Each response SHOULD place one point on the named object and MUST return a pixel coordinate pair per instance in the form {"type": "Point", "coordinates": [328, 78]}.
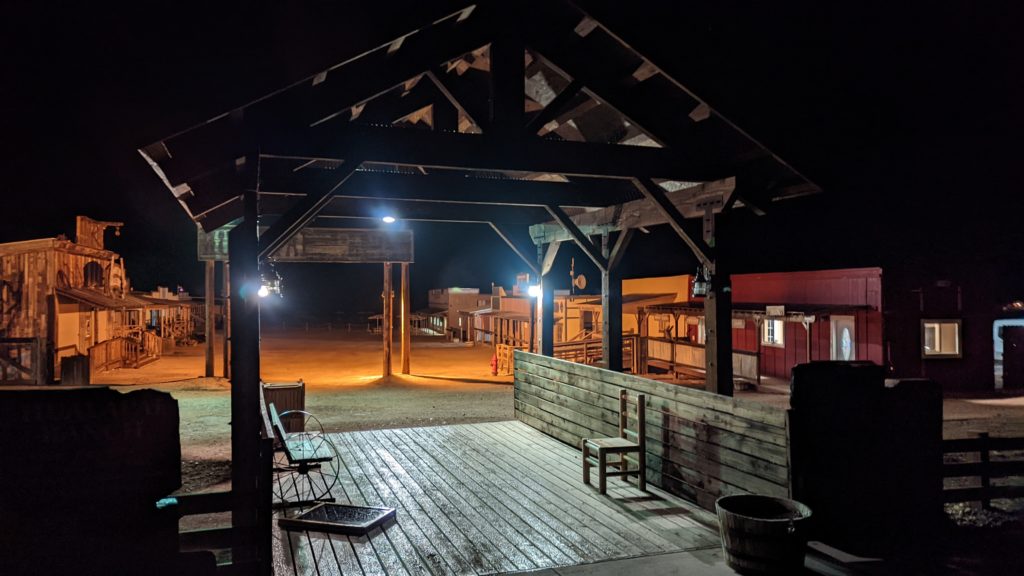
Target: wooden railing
{"type": "Point", "coordinates": [673, 354]}
{"type": "Point", "coordinates": [990, 459]}
{"type": "Point", "coordinates": [700, 445]}
{"type": "Point", "coordinates": [590, 352]}
{"type": "Point", "coordinates": [124, 352]}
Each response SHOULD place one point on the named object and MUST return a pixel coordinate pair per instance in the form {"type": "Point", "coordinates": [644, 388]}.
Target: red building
{"type": "Point", "coordinates": [916, 325]}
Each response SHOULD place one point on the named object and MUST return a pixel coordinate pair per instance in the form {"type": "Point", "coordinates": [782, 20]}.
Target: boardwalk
{"type": "Point", "coordinates": [486, 499]}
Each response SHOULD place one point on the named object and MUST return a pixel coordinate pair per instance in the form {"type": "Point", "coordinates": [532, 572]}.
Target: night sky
{"type": "Point", "coordinates": [909, 117]}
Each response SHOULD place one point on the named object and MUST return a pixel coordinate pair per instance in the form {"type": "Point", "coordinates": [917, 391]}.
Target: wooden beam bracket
{"type": "Point", "coordinates": [656, 194]}
{"type": "Point", "coordinates": [578, 236]}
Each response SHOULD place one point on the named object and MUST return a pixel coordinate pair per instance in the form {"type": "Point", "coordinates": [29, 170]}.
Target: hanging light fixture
{"type": "Point", "coordinates": [701, 282]}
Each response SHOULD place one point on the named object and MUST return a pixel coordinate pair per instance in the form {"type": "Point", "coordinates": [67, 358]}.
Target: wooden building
{"type": "Point", "coordinates": [61, 298]}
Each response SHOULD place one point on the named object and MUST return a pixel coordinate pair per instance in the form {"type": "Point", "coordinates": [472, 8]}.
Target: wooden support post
{"type": "Point", "coordinates": [406, 326]}
{"type": "Point", "coordinates": [547, 300]}
{"type": "Point", "coordinates": [243, 249]}
{"type": "Point", "coordinates": [208, 298]}
{"type": "Point", "coordinates": [718, 320]}
{"type": "Point", "coordinates": [227, 320]}
{"type": "Point", "coordinates": [640, 367]}
{"type": "Point", "coordinates": [611, 314]}
{"type": "Point", "coordinates": [386, 320]}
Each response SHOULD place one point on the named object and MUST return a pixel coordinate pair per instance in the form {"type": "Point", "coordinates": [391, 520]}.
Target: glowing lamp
{"type": "Point", "coordinates": [388, 219]}
{"type": "Point", "coordinates": [263, 292]}
{"type": "Point", "coordinates": [533, 291]}
{"type": "Point", "coordinates": [701, 283]}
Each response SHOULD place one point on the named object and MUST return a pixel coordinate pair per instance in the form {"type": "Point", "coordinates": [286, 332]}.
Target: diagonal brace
{"type": "Point", "coordinates": [304, 212]}
{"type": "Point", "coordinates": [619, 250]}
{"type": "Point", "coordinates": [656, 194]}
{"type": "Point", "coordinates": [508, 240]}
{"type": "Point", "coordinates": [581, 239]}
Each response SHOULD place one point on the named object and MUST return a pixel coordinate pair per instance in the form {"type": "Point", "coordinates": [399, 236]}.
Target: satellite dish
{"type": "Point", "coordinates": [580, 282]}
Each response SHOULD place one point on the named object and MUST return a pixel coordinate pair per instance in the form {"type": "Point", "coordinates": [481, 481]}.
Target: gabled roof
{"type": "Point", "coordinates": [417, 115]}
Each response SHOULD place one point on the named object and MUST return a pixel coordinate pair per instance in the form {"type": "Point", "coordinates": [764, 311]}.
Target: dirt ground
{"type": "Point", "coordinates": [449, 383]}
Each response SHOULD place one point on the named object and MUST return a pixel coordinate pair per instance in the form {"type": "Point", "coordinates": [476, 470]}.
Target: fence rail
{"type": "Point", "coordinates": [590, 352]}
{"type": "Point", "coordinates": [997, 458]}
{"type": "Point", "coordinates": [124, 352]}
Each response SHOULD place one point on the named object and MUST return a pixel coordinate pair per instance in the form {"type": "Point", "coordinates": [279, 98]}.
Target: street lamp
{"type": "Point", "coordinates": [388, 219]}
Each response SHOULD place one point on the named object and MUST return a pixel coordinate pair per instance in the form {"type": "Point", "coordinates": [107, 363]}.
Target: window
{"type": "Point", "coordinates": [940, 339]}
{"type": "Point", "coordinates": [844, 331]}
{"type": "Point", "coordinates": [772, 333]}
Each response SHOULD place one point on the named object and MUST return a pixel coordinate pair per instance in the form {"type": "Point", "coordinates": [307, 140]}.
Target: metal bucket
{"type": "Point", "coordinates": [763, 534]}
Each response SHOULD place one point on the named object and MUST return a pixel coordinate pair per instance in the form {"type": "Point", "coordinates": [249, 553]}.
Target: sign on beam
{"type": "Point", "coordinates": [326, 245]}
{"type": "Point", "coordinates": [347, 246]}
{"type": "Point", "coordinates": [213, 245]}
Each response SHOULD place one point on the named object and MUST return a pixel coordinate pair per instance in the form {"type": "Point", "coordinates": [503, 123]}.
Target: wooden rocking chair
{"type": "Point", "coordinates": [628, 442]}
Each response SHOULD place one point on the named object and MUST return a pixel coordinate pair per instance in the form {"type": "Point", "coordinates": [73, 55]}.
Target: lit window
{"type": "Point", "coordinates": [940, 339]}
{"type": "Point", "coordinates": [772, 333]}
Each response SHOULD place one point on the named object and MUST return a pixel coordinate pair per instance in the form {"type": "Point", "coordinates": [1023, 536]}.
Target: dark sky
{"type": "Point", "coordinates": [909, 115]}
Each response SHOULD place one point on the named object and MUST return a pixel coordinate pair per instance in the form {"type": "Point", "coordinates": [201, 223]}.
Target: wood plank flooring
{"type": "Point", "coordinates": [488, 498]}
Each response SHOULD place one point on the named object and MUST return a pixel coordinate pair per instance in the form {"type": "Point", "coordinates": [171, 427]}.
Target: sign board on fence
{"type": "Point", "coordinates": [326, 245]}
{"type": "Point", "coordinates": [775, 311]}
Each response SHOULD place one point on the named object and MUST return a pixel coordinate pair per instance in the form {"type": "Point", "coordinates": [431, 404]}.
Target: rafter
{"type": "Point", "coordinates": [484, 152]}
{"type": "Point", "coordinates": [452, 188]}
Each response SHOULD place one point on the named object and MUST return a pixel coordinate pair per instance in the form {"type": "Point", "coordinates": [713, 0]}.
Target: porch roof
{"type": "Point", "coordinates": [97, 299]}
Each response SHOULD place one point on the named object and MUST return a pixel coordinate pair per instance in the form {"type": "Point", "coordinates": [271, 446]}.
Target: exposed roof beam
{"type": "Point", "coordinates": [440, 187]}
{"type": "Point", "coordinates": [503, 233]}
{"type": "Point", "coordinates": [635, 214]}
{"type": "Point", "coordinates": [551, 111]}
{"type": "Point", "coordinates": [578, 236]}
{"type": "Point", "coordinates": [304, 211]}
{"type": "Point", "coordinates": [483, 152]}
{"type": "Point", "coordinates": [657, 196]}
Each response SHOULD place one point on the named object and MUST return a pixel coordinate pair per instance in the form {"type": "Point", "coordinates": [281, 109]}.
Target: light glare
{"type": "Point", "coordinates": [533, 291]}
{"type": "Point", "coordinates": [263, 292]}
{"type": "Point", "coordinates": [388, 219]}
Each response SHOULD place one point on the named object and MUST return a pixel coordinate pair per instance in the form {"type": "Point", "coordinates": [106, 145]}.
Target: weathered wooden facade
{"type": "Point", "coordinates": [60, 298]}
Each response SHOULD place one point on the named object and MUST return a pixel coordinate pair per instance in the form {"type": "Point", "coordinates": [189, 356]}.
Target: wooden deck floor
{"type": "Point", "coordinates": [485, 499]}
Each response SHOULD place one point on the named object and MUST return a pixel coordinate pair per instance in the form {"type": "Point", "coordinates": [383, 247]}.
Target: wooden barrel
{"type": "Point", "coordinates": [762, 534]}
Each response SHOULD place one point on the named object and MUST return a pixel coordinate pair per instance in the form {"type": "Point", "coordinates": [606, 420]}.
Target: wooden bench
{"type": "Point", "coordinates": [309, 467]}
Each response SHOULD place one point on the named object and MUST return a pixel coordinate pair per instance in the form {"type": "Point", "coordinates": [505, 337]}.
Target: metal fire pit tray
{"type": "Point", "coordinates": [338, 519]}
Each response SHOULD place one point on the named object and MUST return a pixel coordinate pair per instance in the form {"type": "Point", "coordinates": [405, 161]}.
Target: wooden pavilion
{"type": "Point", "coordinates": [530, 118]}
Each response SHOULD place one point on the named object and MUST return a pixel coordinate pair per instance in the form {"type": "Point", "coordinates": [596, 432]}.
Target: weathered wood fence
{"type": "Point", "coordinates": [699, 445]}
{"type": "Point", "coordinates": [21, 361]}
{"type": "Point", "coordinates": [997, 458]}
